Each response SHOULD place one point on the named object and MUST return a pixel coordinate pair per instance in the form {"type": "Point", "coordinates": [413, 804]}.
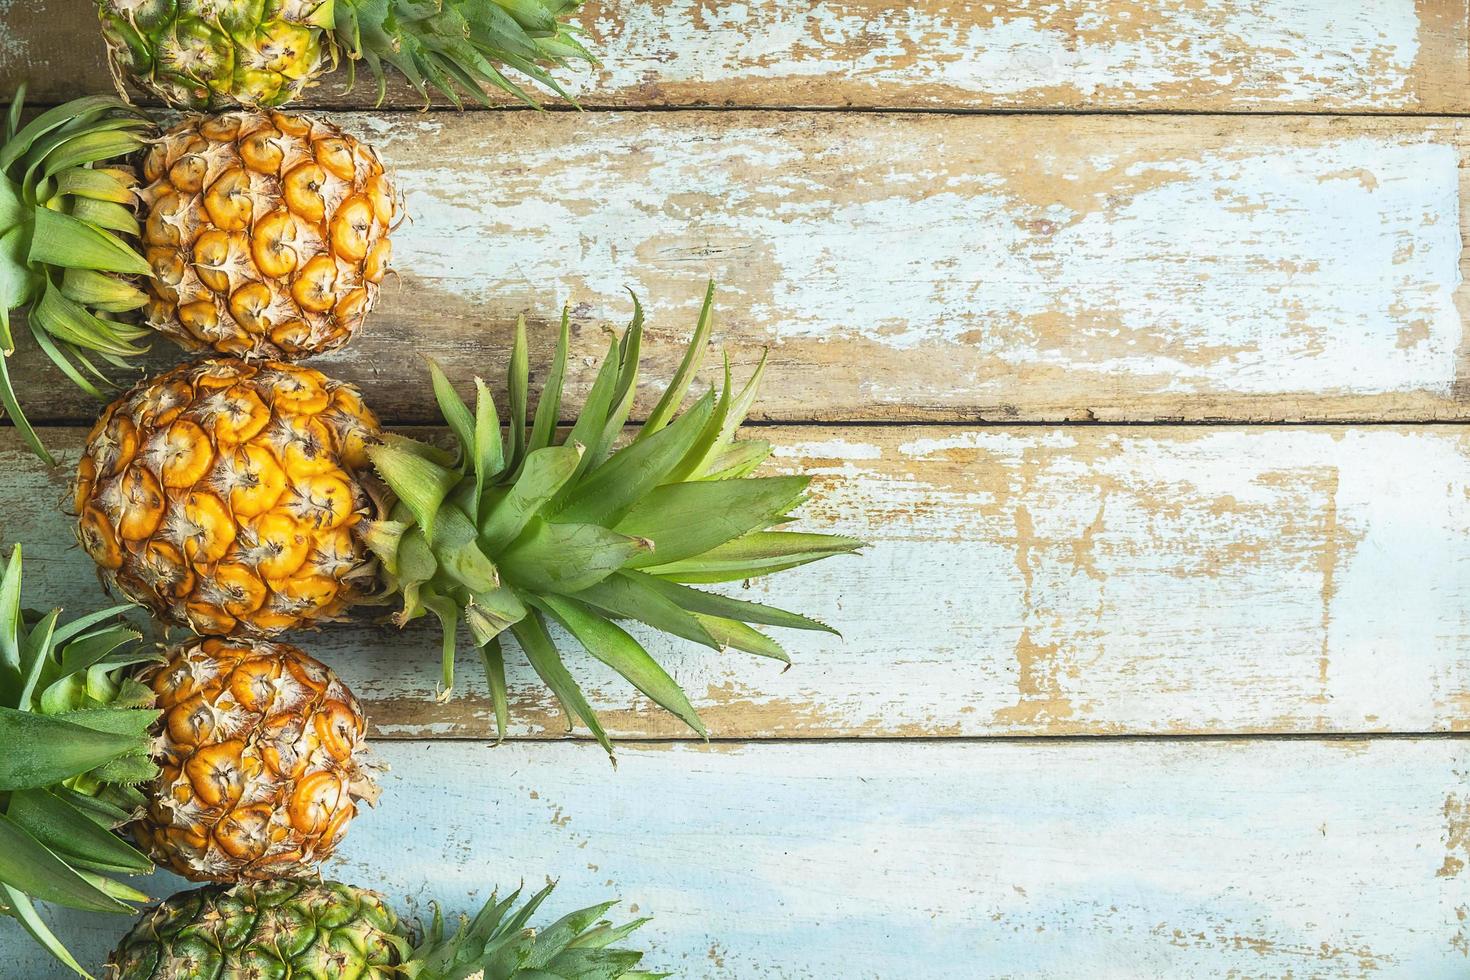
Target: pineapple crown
{"type": "Point", "coordinates": [459, 44]}
{"type": "Point", "coordinates": [65, 220]}
{"type": "Point", "coordinates": [517, 531]}
{"type": "Point", "coordinates": [498, 944]}
{"type": "Point", "coordinates": [76, 743]}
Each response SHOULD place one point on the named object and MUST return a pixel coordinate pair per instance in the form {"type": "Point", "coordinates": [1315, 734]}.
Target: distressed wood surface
{"type": "Point", "coordinates": [1233, 55]}
{"type": "Point", "coordinates": [1014, 268]}
{"type": "Point", "coordinates": [1077, 860]}
{"type": "Point", "coordinates": [1021, 581]}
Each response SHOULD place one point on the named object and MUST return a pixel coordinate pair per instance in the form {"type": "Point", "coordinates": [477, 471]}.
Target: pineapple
{"type": "Point", "coordinates": [259, 755]}
{"type": "Point", "coordinates": [222, 495]}
{"type": "Point", "coordinates": [516, 532]}
{"type": "Point", "coordinates": [67, 241]}
{"type": "Point", "coordinates": [267, 234]}
{"type": "Point", "coordinates": [331, 930]}
{"type": "Point", "coordinates": [198, 505]}
{"type": "Point", "coordinates": [74, 732]}
{"type": "Point", "coordinates": [210, 54]}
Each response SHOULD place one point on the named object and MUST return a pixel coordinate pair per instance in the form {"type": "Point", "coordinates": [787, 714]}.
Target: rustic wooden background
{"type": "Point", "coordinates": [1132, 335]}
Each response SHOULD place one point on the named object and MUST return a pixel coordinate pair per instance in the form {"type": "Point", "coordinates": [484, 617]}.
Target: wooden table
{"type": "Point", "coordinates": [1131, 335]}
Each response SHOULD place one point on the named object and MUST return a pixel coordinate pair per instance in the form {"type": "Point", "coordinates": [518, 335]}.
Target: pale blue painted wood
{"type": "Point", "coordinates": [1092, 859]}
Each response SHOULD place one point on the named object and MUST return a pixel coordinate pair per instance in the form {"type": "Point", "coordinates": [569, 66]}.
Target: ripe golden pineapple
{"type": "Point", "coordinates": [222, 495]}
{"type": "Point", "coordinates": [258, 754]}
{"type": "Point", "coordinates": [267, 233]}
{"type": "Point", "coordinates": [199, 507]}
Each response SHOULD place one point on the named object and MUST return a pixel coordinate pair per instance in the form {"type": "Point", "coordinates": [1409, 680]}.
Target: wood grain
{"type": "Point", "coordinates": [1233, 55]}
{"type": "Point", "coordinates": [1022, 581]}
{"type": "Point", "coordinates": [935, 267]}
{"type": "Point", "coordinates": [1081, 860]}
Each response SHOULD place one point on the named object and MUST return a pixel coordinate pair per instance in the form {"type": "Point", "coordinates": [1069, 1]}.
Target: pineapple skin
{"type": "Point", "coordinates": [267, 233]}
{"type": "Point", "coordinates": [267, 929]}
{"type": "Point", "coordinates": [209, 54]}
{"type": "Point", "coordinates": [222, 495]}
{"type": "Point", "coordinates": [260, 761]}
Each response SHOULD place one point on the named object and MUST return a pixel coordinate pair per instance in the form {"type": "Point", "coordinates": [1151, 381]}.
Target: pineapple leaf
{"type": "Point", "coordinates": [447, 613]}
{"type": "Point", "coordinates": [17, 417]}
{"type": "Point", "coordinates": [733, 633]}
{"type": "Point", "coordinates": [554, 939]}
{"type": "Point", "coordinates": [629, 598]}
{"type": "Point", "coordinates": [707, 443]}
{"type": "Point", "coordinates": [11, 630]}
{"type": "Point", "coordinates": [613, 645]}
{"type": "Point", "coordinates": [456, 413]}
{"type": "Point", "coordinates": [40, 751]}
{"type": "Point", "coordinates": [587, 430]}
{"type": "Point", "coordinates": [96, 183]}
{"type": "Point", "coordinates": [494, 660]}
{"type": "Point", "coordinates": [33, 657]}
{"type": "Point", "coordinates": [73, 834]}
{"type": "Point", "coordinates": [128, 770]}
{"type": "Point", "coordinates": [33, 868]}
{"type": "Point", "coordinates": [566, 558]}
{"type": "Point", "coordinates": [545, 472]}
{"type": "Point", "coordinates": [66, 242]}
{"type": "Point", "coordinates": [548, 407]}
{"type": "Point", "coordinates": [755, 554]}
{"type": "Point", "coordinates": [420, 484]}
{"type": "Point", "coordinates": [673, 396]}
{"type": "Point", "coordinates": [536, 643]}
{"type": "Point", "coordinates": [628, 476]}
{"type": "Point", "coordinates": [492, 612]}
{"type": "Point", "coordinates": [629, 349]}
{"type": "Point", "coordinates": [688, 519]}
{"type": "Point", "coordinates": [517, 383]}
{"type": "Point", "coordinates": [713, 604]}
{"type": "Point", "coordinates": [489, 454]}
{"type": "Point", "coordinates": [20, 907]}
{"type": "Point", "coordinates": [737, 461]}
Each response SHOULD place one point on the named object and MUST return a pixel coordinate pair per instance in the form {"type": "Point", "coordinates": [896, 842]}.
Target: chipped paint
{"type": "Point", "coordinates": [1019, 53]}
{"type": "Point", "coordinates": [1282, 55]}
{"type": "Point", "coordinates": [1077, 860]}
{"type": "Point", "coordinates": [1456, 833]}
{"type": "Point", "coordinates": [1031, 580]}
{"type": "Point", "coordinates": [1020, 268]}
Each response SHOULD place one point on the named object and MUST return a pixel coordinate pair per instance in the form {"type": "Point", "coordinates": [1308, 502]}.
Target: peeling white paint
{"type": "Point", "coordinates": [1325, 265]}
{"type": "Point", "coordinates": [1029, 581]}
{"type": "Point", "coordinates": [1088, 860]}
{"type": "Point", "coordinates": [1288, 52]}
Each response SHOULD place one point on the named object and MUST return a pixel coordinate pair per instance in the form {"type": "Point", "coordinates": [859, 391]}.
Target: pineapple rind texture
{"type": "Point", "coordinates": [222, 495]}
{"type": "Point", "coordinates": [210, 54]}
{"type": "Point", "coordinates": [267, 234]}
{"type": "Point", "coordinates": [260, 761]}
{"type": "Point", "coordinates": [265, 929]}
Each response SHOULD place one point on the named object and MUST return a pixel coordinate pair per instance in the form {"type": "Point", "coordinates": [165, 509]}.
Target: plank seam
{"type": "Point", "coordinates": [37, 106]}
{"type": "Point", "coordinates": [950, 740]}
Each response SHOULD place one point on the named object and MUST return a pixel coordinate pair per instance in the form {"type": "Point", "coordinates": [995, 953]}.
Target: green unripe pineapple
{"type": "Point", "coordinates": [329, 930]}
{"type": "Point", "coordinates": [212, 54]}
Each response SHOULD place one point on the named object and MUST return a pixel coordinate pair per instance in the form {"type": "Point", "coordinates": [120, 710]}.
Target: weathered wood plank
{"type": "Point", "coordinates": [937, 267]}
{"type": "Point", "coordinates": [1081, 860]}
{"type": "Point", "coordinates": [1236, 55]}
{"type": "Point", "coordinates": [1024, 581]}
